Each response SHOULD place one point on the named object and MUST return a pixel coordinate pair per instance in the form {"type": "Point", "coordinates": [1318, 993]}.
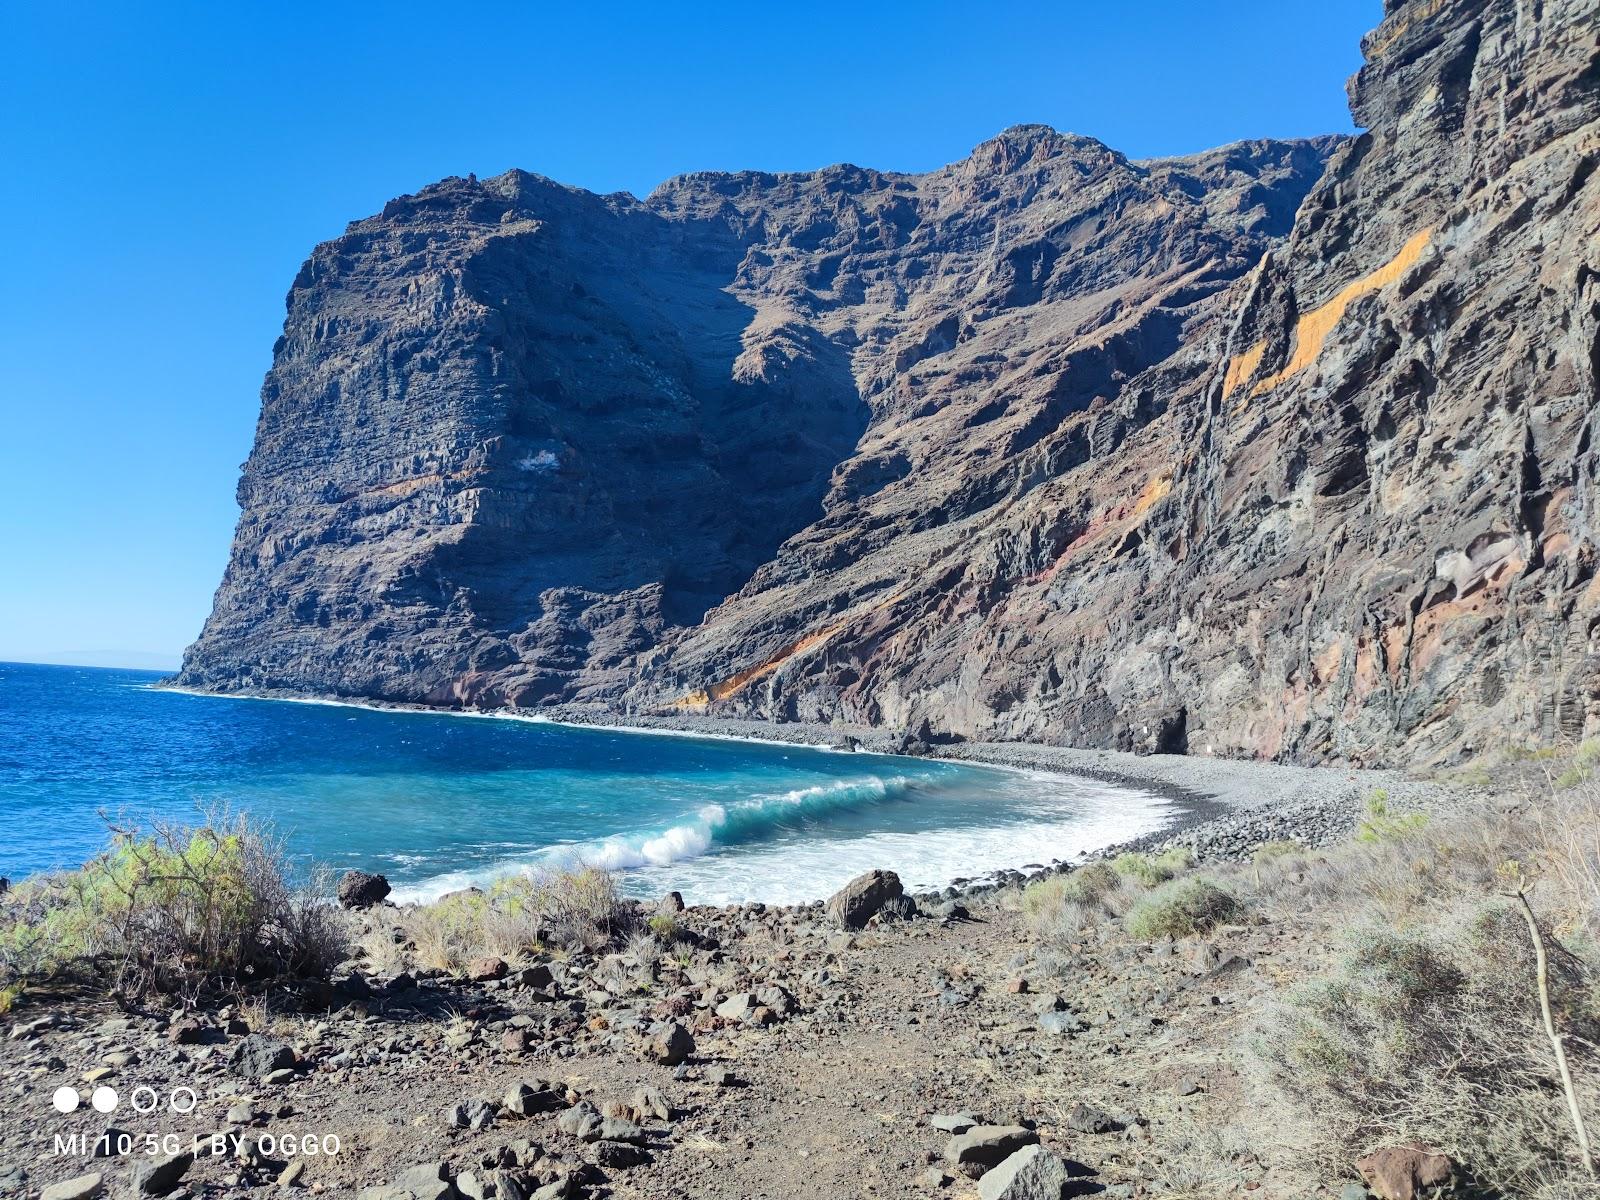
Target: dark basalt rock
{"type": "Point", "coordinates": [358, 889]}
{"type": "Point", "coordinates": [1281, 450]}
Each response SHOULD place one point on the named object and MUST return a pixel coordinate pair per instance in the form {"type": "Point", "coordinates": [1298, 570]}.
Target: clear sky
{"type": "Point", "coordinates": [165, 167]}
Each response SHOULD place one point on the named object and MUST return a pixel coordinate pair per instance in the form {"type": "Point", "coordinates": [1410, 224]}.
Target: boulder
{"type": "Point", "coordinates": [359, 889]}
{"type": "Point", "coordinates": [481, 970]}
{"type": "Point", "coordinates": [1032, 1173]}
{"type": "Point", "coordinates": [1405, 1172]}
{"type": "Point", "coordinates": [858, 901]}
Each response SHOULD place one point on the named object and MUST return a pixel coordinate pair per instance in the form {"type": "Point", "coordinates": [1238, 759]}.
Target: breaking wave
{"type": "Point", "coordinates": [716, 824]}
{"type": "Point", "coordinates": [746, 821]}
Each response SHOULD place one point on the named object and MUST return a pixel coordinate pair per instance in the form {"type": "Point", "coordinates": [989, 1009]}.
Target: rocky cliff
{"type": "Point", "coordinates": [1283, 449]}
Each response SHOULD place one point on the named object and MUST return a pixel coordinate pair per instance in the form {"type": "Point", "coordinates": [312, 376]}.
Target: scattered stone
{"type": "Point", "coordinates": [671, 903]}
{"type": "Point", "coordinates": [670, 1043]}
{"type": "Point", "coordinates": [615, 1129]}
{"type": "Point", "coordinates": [954, 1122]}
{"type": "Point", "coordinates": [650, 1102]}
{"type": "Point", "coordinates": [527, 1099]}
{"type": "Point", "coordinates": [293, 1174]}
{"type": "Point", "coordinates": [582, 1121]}
{"type": "Point", "coordinates": [259, 1056]}
{"type": "Point", "coordinates": [358, 889]}
{"type": "Point", "coordinates": [538, 976]}
{"type": "Point", "coordinates": [470, 1114]}
{"type": "Point", "coordinates": [517, 1041]}
{"type": "Point", "coordinates": [481, 970]}
{"type": "Point", "coordinates": [983, 1146]}
{"type": "Point", "coordinates": [863, 897]}
{"type": "Point", "coordinates": [1086, 1118]}
{"type": "Point", "coordinates": [430, 1181]}
{"type": "Point", "coordinates": [84, 1187]}
{"type": "Point", "coordinates": [1031, 1173]}
{"type": "Point", "coordinates": [190, 1031]}
{"type": "Point", "coordinates": [620, 1155]}
{"type": "Point", "coordinates": [1405, 1172]}
{"type": "Point", "coordinates": [161, 1175]}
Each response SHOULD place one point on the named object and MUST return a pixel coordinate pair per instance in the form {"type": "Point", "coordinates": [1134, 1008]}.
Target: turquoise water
{"type": "Point", "coordinates": [437, 801]}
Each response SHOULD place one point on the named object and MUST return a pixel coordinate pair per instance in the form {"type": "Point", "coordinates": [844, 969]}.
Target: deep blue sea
{"type": "Point", "coordinates": [436, 801]}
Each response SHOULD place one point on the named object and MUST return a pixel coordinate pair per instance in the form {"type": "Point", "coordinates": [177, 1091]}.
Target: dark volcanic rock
{"type": "Point", "coordinates": [358, 889]}
{"type": "Point", "coordinates": [858, 901]}
{"type": "Point", "coordinates": [1281, 449]}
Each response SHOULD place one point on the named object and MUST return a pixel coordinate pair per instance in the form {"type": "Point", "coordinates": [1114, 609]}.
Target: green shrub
{"type": "Point", "coordinates": [173, 909]}
{"type": "Point", "coordinates": [664, 927]}
{"type": "Point", "coordinates": [1381, 824]}
{"type": "Point", "coordinates": [1151, 870]}
{"type": "Point", "coordinates": [1182, 908]}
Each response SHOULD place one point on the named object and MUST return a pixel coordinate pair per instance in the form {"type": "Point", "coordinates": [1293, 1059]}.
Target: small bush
{"type": "Point", "coordinates": [1151, 870]}
{"type": "Point", "coordinates": [664, 927]}
{"type": "Point", "coordinates": [519, 916]}
{"type": "Point", "coordinates": [1435, 1036]}
{"type": "Point", "coordinates": [1381, 824]}
{"type": "Point", "coordinates": [172, 910]}
{"type": "Point", "coordinates": [1182, 908]}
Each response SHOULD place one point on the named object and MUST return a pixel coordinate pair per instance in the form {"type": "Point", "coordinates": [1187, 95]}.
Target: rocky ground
{"type": "Point", "coordinates": [744, 1052]}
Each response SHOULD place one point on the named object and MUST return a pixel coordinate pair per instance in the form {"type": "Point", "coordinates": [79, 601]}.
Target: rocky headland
{"type": "Point", "coordinates": [1281, 450]}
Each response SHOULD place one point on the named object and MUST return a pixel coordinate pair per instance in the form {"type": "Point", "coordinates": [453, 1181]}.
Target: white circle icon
{"type": "Point", "coordinates": [65, 1100]}
{"type": "Point", "coordinates": [142, 1105]}
{"type": "Point", "coordinates": [178, 1104]}
{"type": "Point", "coordinates": [104, 1100]}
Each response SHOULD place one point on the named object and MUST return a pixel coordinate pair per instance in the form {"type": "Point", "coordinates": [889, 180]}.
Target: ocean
{"type": "Point", "coordinates": [438, 801]}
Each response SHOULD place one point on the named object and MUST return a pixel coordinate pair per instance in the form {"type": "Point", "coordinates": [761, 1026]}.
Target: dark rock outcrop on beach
{"type": "Point", "coordinates": [1280, 450]}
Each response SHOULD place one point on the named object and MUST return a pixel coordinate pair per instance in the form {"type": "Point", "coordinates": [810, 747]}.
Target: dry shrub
{"type": "Point", "coordinates": [1062, 905]}
{"type": "Point", "coordinates": [1153, 869]}
{"type": "Point", "coordinates": [1435, 1036]}
{"type": "Point", "coordinates": [1182, 908]}
{"type": "Point", "coordinates": [519, 916]}
{"type": "Point", "coordinates": [1426, 1023]}
{"type": "Point", "coordinates": [177, 908]}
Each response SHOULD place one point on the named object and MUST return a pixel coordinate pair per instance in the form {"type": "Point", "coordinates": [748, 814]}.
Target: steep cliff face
{"type": "Point", "coordinates": [1282, 449]}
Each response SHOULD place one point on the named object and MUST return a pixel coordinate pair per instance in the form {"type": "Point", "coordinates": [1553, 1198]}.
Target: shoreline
{"type": "Point", "coordinates": [1216, 807]}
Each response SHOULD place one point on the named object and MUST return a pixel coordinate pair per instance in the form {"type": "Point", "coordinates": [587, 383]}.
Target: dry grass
{"type": "Point", "coordinates": [521, 917]}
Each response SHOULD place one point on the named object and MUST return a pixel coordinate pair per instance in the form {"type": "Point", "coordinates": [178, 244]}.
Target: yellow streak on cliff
{"type": "Point", "coordinates": [1241, 367]}
{"type": "Point", "coordinates": [1312, 330]}
{"type": "Point", "coordinates": [1399, 31]}
{"type": "Point", "coordinates": [734, 684]}
{"type": "Point", "coordinates": [403, 487]}
{"type": "Point", "coordinates": [1154, 492]}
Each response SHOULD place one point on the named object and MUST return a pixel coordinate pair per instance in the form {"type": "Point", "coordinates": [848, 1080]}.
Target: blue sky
{"type": "Point", "coordinates": [167, 167]}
